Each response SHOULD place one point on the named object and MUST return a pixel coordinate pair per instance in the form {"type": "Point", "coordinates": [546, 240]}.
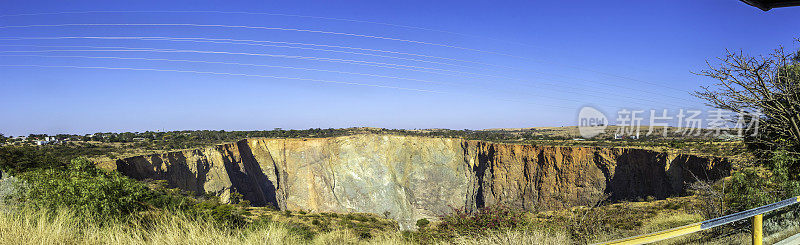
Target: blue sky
{"type": "Point", "coordinates": [392, 64]}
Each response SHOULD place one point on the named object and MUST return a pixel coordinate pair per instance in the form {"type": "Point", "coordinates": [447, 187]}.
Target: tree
{"type": "Point", "coordinates": [767, 85]}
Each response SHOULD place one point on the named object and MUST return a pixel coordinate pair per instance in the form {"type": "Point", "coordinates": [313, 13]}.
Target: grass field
{"type": "Point", "coordinates": [63, 227]}
{"type": "Point", "coordinates": [570, 226]}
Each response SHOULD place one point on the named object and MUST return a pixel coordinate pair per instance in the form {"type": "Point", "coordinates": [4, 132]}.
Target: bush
{"type": "Point", "coordinates": [422, 223]}
{"type": "Point", "coordinates": [485, 219]}
{"type": "Point", "coordinates": [751, 187]}
{"type": "Point", "coordinates": [87, 190]}
{"type": "Point", "coordinates": [98, 195]}
{"type": "Point", "coordinates": [302, 230]}
{"type": "Point", "coordinates": [364, 234]}
{"type": "Point", "coordinates": [221, 213]}
{"type": "Point", "coordinates": [19, 159]}
{"type": "Point", "coordinates": [11, 189]}
{"type": "Point", "coordinates": [235, 198]}
{"type": "Point", "coordinates": [359, 217]}
{"type": "Point", "coordinates": [262, 222]}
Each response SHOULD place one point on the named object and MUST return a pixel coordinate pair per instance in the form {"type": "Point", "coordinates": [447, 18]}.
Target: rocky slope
{"type": "Point", "coordinates": [419, 177]}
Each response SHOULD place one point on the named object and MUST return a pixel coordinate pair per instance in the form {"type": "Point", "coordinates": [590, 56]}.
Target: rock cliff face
{"type": "Point", "coordinates": [419, 177]}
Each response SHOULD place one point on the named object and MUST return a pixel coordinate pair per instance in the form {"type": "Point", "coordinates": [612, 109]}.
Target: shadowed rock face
{"type": "Point", "coordinates": [419, 177]}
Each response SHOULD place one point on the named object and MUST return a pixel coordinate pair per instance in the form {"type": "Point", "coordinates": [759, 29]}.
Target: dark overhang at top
{"type": "Point", "coordinates": [770, 4]}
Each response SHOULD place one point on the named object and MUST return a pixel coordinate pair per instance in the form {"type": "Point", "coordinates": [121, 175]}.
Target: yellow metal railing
{"type": "Point", "coordinates": [756, 213]}
{"type": "Point", "coordinates": [758, 237]}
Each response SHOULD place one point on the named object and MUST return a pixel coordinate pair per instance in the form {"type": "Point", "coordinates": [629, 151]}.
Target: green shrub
{"type": "Point", "coordinates": [364, 234]}
{"type": "Point", "coordinates": [422, 223]}
{"type": "Point", "coordinates": [359, 217]}
{"type": "Point", "coordinates": [482, 220]}
{"type": "Point", "coordinates": [751, 187]}
{"type": "Point", "coordinates": [87, 190]}
{"type": "Point", "coordinates": [322, 225]}
{"type": "Point", "coordinates": [261, 222]}
{"type": "Point", "coordinates": [236, 197]}
{"type": "Point", "coordinates": [98, 195]}
{"type": "Point", "coordinates": [301, 230]}
{"type": "Point", "coordinates": [19, 159]}
{"type": "Point", "coordinates": [673, 205]}
{"type": "Point", "coordinates": [10, 189]}
{"type": "Point", "coordinates": [344, 222]}
{"type": "Point", "coordinates": [222, 213]}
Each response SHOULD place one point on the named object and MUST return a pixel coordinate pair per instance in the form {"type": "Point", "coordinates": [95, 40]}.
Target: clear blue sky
{"type": "Point", "coordinates": [467, 64]}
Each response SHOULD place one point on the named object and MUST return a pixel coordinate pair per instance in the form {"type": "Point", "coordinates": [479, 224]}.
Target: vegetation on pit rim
{"type": "Point", "coordinates": [109, 146]}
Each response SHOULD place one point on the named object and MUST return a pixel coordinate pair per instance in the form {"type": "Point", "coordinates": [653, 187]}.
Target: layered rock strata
{"type": "Point", "coordinates": [421, 177]}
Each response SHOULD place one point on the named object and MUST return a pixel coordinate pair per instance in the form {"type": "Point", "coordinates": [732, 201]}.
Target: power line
{"type": "Point", "coordinates": [348, 61]}
{"type": "Point", "coordinates": [335, 33]}
{"type": "Point", "coordinates": [373, 50]}
{"type": "Point", "coordinates": [203, 40]}
{"type": "Point", "coordinates": [238, 41]}
{"type": "Point", "coordinates": [225, 73]}
{"type": "Point", "coordinates": [382, 65]}
{"type": "Point", "coordinates": [257, 65]}
{"type": "Point", "coordinates": [271, 14]}
{"type": "Point", "coordinates": [557, 98]}
{"type": "Point", "coordinates": [253, 75]}
{"type": "Point", "coordinates": [213, 62]}
{"type": "Point", "coordinates": [261, 28]}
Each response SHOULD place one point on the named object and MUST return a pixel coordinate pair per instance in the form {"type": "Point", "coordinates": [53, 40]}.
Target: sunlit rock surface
{"type": "Point", "coordinates": [421, 177]}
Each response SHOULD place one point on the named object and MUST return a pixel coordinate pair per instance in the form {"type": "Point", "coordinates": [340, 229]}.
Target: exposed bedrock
{"type": "Point", "coordinates": [420, 177]}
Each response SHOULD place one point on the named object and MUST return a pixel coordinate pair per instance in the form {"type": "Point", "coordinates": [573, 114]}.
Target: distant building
{"type": "Point", "coordinates": [48, 140]}
{"type": "Point", "coordinates": [729, 137]}
{"type": "Point", "coordinates": [622, 136]}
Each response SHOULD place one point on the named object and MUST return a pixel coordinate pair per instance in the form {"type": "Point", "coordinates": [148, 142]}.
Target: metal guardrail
{"type": "Point", "coordinates": [756, 213]}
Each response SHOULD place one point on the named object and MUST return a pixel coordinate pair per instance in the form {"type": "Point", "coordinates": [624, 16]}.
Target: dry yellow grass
{"type": "Point", "coordinates": [516, 237]}
{"type": "Point", "coordinates": [30, 227]}
{"type": "Point", "coordinates": [27, 227]}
